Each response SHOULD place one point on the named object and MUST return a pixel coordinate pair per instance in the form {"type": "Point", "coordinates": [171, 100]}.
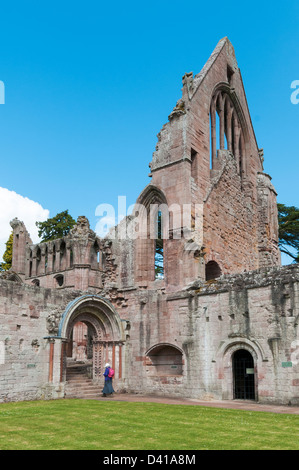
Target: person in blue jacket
{"type": "Point", "coordinates": [108, 388]}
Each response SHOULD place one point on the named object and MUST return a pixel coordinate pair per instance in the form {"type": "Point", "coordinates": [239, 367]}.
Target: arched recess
{"type": "Point", "coordinates": [228, 127]}
{"type": "Point", "coordinates": [224, 362]}
{"type": "Point", "coordinates": [105, 330]}
{"type": "Point", "coordinates": [164, 359]}
{"type": "Point", "coordinates": [152, 220]}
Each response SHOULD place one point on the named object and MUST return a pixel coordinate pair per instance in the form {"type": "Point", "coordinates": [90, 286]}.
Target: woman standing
{"type": "Point", "coordinates": [108, 388]}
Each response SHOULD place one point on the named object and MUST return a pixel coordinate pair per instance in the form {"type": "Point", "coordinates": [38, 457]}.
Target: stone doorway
{"type": "Point", "coordinates": [93, 334]}
{"type": "Point", "coordinates": [79, 346]}
{"type": "Point", "coordinates": [79, 351]}
{"type": "Point", "coordinates": [243, 375]}
{"type": "Point", "coordinates": [84, 334]}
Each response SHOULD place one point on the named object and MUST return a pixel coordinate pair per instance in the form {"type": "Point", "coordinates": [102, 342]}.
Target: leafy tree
{"type": "Point", "coordinates": [288, 220]}
{"type": "Point", "coordinates": [7, 257]}
{"type": "Point", "coordinates": [55, 227]}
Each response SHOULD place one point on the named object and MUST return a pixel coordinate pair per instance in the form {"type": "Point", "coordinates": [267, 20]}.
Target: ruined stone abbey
{"type": "Point", "coordinates": [187, 296]}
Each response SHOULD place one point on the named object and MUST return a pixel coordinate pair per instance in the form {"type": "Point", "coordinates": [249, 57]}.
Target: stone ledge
{"type": "Point", "coordinates": [248, 280]}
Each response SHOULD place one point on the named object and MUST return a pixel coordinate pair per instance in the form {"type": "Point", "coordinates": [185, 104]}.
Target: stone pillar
{"type": "Point", "coordinates": [236, 142]}
{"type": "Point", "coordinates": [68, 256]}
{"type": "Point", "coordinates": [57, 359]}
{"type": "Point", "coordinates": [57, 260]}
{"type": "Point", "coordinates": [63, 361]}
{"type": "Point", "coordinates": [34, 264]}
{"type": "Point", "coordinates": [21, 240]}
{"type": "Point", "coordinates": [50, 258]}
{"type": "Point", "coordinates": [120, 361]}
{"type": "Point", "coordinates": [221, 118]}
{"type": "Point", "coordinates": [44, 253]}
{"type": "Point", "coordinates": [98, 354]}
{"type": "Point", "coordinates": [229, 126]}
{"type": "Point", "coordinates": [213, 134]}
{"type": "Point", "coordinates": [113, 356]}
{"type": "Point", "coordinates": [242, 151]}
{"type": "Point", "coordinates": [51, 359]}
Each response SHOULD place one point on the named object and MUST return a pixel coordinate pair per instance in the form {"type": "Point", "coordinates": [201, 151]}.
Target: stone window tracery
{"type": "Point", "coordinates": [153, 220]}
{"type": "Point", "coordinates": [226, 129]}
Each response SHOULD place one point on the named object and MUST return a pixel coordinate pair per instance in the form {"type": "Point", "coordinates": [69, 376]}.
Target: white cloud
{"type": "Point", "coordinates": [14, 205]}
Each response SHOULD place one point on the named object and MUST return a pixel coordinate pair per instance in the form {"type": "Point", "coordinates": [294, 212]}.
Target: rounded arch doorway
{"type": "Point", "coordinates": [243, 375]}
{"type": "Point", "coordinates": [93, 333]}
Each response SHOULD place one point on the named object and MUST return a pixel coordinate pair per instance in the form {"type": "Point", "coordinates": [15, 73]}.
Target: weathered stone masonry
{"type": "Point", "coordinates": [220, 320]}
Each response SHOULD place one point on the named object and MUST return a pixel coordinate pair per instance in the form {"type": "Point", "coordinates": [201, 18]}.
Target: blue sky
{"type": "Point", "coordinates": [89, 85]}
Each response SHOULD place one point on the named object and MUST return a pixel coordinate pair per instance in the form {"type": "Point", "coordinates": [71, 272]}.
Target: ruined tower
{"type": "Point", "coordinates": [207, 158]}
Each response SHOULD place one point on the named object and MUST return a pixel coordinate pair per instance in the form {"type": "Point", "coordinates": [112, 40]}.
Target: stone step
{"type": "Point", "coordinates": [82, 372]}
{"type": "Point", "coordinates": [78, 378]}
{"type": "Point", "coordinates": [82, 385]}
{"type": "Point", "coordinates": [79, 385]}
{"type": "Point", "coordinates": [83, 394]}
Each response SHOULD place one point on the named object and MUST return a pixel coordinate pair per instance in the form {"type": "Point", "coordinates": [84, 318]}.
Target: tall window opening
{"type": "Point", "coordinates": [71, 258]}
{"type": "Point", "coordinates": [54, 258]}
{"type": "Point", "coordinates": [226, 132]}
{"type": "Point", "coordinates": [46, 259]}
{"type": "Point", "coordinates": [38, 260]}
{"type": "Point", "coordinates": [30, 264]}
{"type": "Point", "coordinates": [214, 136]}
{"type": "Point", "coordinates": [154, 230]}
{"type": "Point", "coordinates": [159, 249]}
{"type": "Point", "coordinates": [62, 255]}
{"type": "Point", "coordinates": [95, 255]}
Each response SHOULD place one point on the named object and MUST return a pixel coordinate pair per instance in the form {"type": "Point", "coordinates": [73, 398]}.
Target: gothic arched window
{"type": "Point", "coordinates": [153, 223]}
{"type": "Point", "coordinates": [226, 129]}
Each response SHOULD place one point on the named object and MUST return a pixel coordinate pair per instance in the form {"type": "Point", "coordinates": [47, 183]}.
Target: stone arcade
{"type": "Point", "coordinates": [202, 309]}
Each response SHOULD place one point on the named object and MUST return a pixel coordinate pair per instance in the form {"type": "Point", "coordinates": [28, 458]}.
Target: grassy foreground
{"type": "Point", "coordinates": [99, 425]}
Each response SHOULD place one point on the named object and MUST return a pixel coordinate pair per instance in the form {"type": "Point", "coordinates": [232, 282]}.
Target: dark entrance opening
{"type": "Point", "coordinates": [213, 270]}
{"type": "Point", "coordinates": [243, 370]}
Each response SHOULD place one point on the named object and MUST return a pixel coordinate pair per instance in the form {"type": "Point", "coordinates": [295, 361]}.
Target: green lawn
{"type": "Point", "coordinates": [104, 425]}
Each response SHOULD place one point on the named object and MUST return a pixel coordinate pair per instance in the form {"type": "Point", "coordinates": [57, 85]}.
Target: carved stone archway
{"type": "Point", "coordinates": [106, 327]}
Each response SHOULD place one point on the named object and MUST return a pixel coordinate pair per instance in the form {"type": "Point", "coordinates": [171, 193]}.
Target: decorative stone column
{"type": "Point", "coordinates": [221, 118]}
{"type": "Point", "coordinates": [98, 352]}
{"type": "Point", "coordinates": [213, 134]}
